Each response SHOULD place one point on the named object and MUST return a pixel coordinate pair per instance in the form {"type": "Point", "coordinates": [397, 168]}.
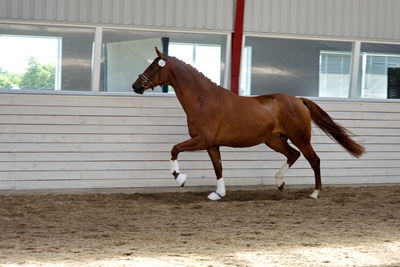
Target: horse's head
{"type": "Point", "coordinates": [154, 75]}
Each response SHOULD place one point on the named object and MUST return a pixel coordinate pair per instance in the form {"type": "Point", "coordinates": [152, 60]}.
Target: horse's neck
{"type": "Point", "coordinates": [192, 89]}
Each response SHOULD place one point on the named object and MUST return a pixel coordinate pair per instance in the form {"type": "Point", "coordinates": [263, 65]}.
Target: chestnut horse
{"type": "Point", "coordinates": [217, 117]}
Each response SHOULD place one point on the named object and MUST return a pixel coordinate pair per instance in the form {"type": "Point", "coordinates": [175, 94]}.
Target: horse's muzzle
{"type": "Point", "coordinates": [138, 89]}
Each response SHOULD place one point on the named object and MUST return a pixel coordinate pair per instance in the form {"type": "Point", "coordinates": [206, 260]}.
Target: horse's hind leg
{"type": "Point", "coordinates": [215, 156]}
{"type": "Point", "coordinates": [309, 153]}
{"type": "Point", "coordinates": [279, 144]}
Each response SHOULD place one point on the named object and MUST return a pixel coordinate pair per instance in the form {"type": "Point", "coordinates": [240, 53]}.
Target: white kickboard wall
{"type": "Point", "coordinates": [66, 141]}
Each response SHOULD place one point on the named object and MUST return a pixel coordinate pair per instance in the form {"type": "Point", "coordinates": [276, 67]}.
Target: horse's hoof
{"type": "Point", "coordinates": [315, 194]}
{"type": "Point", "coordinates": [281, 187]}
{"type": "Point", "coordinates": [180, 179]}
{"type": "Point", "coordinates": [214, 196]}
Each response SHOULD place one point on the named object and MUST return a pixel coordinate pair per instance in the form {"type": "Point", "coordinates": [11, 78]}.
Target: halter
{"type": "Point", "coordinates": [147, 81]}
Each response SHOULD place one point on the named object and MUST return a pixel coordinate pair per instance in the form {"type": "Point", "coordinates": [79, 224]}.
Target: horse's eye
{"type": "Point", "coordinates": [151, 67]}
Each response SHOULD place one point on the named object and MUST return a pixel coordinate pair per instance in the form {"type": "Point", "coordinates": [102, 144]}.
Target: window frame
{"type": "Point", "coordinates": [97, 54]}
{"type": "Point", "coordinates": [355, 60]}
{"type": "Point", "coordinates": [57, 65]}
{"type": "Point", "coordinates": [96, 59]}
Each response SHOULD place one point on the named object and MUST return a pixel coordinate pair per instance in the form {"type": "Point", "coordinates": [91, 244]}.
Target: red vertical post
{"type": "Point", "coordinates": [237, 46]}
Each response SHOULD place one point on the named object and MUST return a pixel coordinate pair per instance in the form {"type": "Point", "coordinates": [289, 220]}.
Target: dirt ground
{"type": "Point", "coordinates": [347, 226]}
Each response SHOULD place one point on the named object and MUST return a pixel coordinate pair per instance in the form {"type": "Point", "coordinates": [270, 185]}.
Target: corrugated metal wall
{"type": "Point", "coordinates": [182, 14]}
{"type": "Point", "coordinates": [366, 19]}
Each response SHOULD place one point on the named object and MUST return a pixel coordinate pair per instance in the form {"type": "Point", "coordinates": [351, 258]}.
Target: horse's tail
{"type": "Point", "coordinates": [332, 129]}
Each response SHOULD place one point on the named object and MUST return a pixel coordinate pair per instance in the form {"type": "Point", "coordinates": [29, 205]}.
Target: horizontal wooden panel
{"type": "Point", "coordinates": [162, 119]}
{"type": "Point", "coordinates": [92, 138]}
{"type": "Point", "coordinates": [166, 102]}
{"type": "Point", "coordinates": [151, 138]}
{"type": "Point", "coordinates": [149, 129]}
{"type": "Point", "coordinates": [121, 183]}
{"type": "Point", "coordinates": [167, 112]}
{"type": "Point", "coordinates": [350, 106]}
{"type": "Point", "coordinates": [89, 101]}
{"type": "Point", "coordinates": [364, 115]}
{"type": "Point", "coordinates": [91, 120]}
{"type": "Point", "coordinates": [105, 141]}
{"type": "Point", "coordinates": [186, 165]}
{"type": "Point", "coordinates": [159, 147]}
{"type": "Point", "coordinates": [339, 180]}
{"type": "Point", "coordinates": [195, 174]}
{"type": "Point", "coordinates": [200, 155]}
{"type": "Point", "coordinates": [90, 111]}
{"type": "Point", "coordinates": [171, 184]}
{"type": "Point", "coordinates": [93, 129]}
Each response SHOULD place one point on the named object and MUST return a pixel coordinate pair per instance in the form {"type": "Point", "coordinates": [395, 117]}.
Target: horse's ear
{"type": "Point", "coordinates": [159, 54]}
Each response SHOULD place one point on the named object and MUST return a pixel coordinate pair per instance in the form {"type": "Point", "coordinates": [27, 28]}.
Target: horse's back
{"type": "Point", "coordinates": [279, 97]}
{"type": "Point", "coordinates": [285, 102]}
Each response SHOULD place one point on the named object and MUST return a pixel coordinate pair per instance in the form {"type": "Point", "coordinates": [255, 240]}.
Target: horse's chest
{"type": "Point", "coordinates": [201, 128]}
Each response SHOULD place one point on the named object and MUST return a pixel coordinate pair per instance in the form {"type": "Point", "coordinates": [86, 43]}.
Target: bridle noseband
{"type": "Point", "coordinates": [146, 80]}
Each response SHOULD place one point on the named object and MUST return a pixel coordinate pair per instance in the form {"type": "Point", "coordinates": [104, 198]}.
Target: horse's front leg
{"type": "Point", "coordinates": [196, 143]}
{"type": "Point", "coordinates": [215, 156]}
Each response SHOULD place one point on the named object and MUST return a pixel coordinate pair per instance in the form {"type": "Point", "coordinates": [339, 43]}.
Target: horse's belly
{"type": "Point", "coordinates": [244, 137]}
{"type": "Point", "coordinates": [249, 125]}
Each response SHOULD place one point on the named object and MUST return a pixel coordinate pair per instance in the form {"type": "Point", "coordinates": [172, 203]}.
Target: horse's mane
{"type": "Point", "coordinates": [196, 71]}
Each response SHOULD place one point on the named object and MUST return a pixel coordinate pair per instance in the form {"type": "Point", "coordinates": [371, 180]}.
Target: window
{"type": "Point", "coordinates": [33, 66]}
{"type": "Point", "coordinates": [127, 53]}
{"type": "Point", "coordinates": [299, 67]}
{"type": "Point", "coordinates": [334, 74]}
{"type": "Point", "coordinates": [376, 61]}
{"type": "Point", "coordinates": [45, 57]}
{"type": "Point", "coordinates": [204, 57]}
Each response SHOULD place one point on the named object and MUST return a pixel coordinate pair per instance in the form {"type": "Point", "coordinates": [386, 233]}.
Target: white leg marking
{"type": "Point", "coordinates": [220, 192]}
{"type": "Point", "coordinates": [280, 174]}
{"type": "Point", "coordinates": [181, 178]}
{"type": "Point", "coordinates": [174, 166]}
{"type": "Point", "coordinates": [315, 194]}
{"type": "Point", "coordinates": [214, 196]}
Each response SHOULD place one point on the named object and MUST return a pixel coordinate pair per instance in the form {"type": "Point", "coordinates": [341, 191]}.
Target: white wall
{"type": "Point", "coordinates": [50, 141]}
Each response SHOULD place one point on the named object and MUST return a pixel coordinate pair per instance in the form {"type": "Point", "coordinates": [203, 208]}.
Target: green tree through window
{"type": "Point", "coordinates": [38, 76]}
{"type": "Point", "coordinates": [8, 79]}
